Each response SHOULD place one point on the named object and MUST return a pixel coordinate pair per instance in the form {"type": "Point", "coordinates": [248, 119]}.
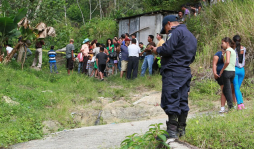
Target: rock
{"type": "Point", "coordinates": [9, 101]}
{"type": "Point", "coordinates": [50, 126]}
{"type": "Point", "coordinates": [47, 91]}
{"type": "Point", "coordinates": [123, 111]}
{"type": "Point", "coordinates": [85, 117]}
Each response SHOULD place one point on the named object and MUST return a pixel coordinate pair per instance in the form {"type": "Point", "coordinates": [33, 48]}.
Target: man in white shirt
{"type": "Point", "coordinates": [133, 60]}
{"type": "Point", "coordinates": [8, 49]}
{"type": "Point", "coordinates": [97, 49]}
{"type": "Point", "coordinates": [133, 36]}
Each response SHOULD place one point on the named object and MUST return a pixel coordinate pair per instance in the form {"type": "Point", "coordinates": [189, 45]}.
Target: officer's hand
{"type": "Point", "coordinates": [154, 50]}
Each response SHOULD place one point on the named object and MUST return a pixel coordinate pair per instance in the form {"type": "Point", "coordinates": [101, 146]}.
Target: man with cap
{"type": "Point", "coordinates": [124, 56]}
{"type": "Point", "coordinates": [85, 50]}
{"type": "Point", "coordinates": [178, 52]}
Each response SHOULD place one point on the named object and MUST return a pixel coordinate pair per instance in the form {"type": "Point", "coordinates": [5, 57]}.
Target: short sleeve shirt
{"type": "Point", "coordinates": [160, 43]}
{"type": "Point", "coordinates": [85, 49]}
{"type": "Point", "coordinates": [186, 12]}
{"type": "Point", "coordinates": [124, 52]}
{"type": "Point", "coordinates": [69, 48]}
{"type": "Point", "coordinates": [102, 58]}
{"type": "Point", "coordinates": [96, 50]}
{"type": "Point", "coordinates": [9, 49]}
{"type": "Point", "coordinates": [148, 52]}
{"type": "Point", "coordinates": [112, 48]}
{"type": "Point", "coordinates": [231, 66]}
{"type": "Point", "coordinates": [134, 50]}
{"type": "Point", "coordinates": [220, 62]}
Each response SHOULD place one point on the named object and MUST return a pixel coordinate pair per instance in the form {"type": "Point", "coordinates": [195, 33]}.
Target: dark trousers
{"type": "Point", "coordinates": [84, 64]}
{"type": "Point", "coordinates": [132, 66]}
{"type": "Point", "coordinates": [155, 66]}
{"type": "Point", "coordinates": [175, 87]}
{"type": "Point", "coordinates": [228, 77]}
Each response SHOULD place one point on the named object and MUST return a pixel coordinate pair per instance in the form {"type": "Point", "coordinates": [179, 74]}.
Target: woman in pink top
{"type": "Point", "coordinates": [85, 50]}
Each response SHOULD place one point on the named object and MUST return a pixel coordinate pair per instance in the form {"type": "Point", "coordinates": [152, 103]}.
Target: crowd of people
{"type": "Point", "coordinates": [117, 55]}
{"type": "Point", "coordinates": [228, 69]}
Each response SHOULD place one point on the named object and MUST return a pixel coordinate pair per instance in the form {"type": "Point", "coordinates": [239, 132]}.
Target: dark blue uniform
{"type": "Point", "coordinates": [178, 52]}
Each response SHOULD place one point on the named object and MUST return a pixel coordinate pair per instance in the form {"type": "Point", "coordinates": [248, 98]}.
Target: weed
{"type": "Point", "coordinates": [234, 130]}
{"type": "Point", "coordinates": [151, 139]}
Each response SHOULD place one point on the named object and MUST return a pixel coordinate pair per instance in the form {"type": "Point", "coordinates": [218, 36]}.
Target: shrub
{"type": "Point", "coordinates": [148, 140]}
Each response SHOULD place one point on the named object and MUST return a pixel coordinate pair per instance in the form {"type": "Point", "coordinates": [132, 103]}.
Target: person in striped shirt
{"type": "Point", "coordinates": [52, 59]}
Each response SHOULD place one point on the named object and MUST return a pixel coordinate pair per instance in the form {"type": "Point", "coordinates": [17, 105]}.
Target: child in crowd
{"type": "Point", "coordinates": [102, 60]}
{"type": "Point", "coordinates": [80, 64]}
{"type": "Point", "coordinates": [91, 53]}
{"type": "Point", "coordinates": [89, 66]}
{"type": "Point", "coordinates": [52, 59]}
{"type": "Point", "coordinates": [95, 67]}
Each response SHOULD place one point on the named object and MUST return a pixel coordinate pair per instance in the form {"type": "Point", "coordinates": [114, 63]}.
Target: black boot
{"type": "Point", "coordinates": [182, 123]}
{"type": "Point", "coordinates": [172, 126]}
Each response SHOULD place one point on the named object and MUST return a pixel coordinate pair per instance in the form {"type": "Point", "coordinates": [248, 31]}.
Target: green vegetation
{"type": "Point", "coordinates": [44, 96]}
{"type": "Point", "coordinates": [234, 130]}
{"type": "Point", "coordinates": [223, 20]}
{"type": "Point", "coordinates": [80, 19]}
{"type": "Point", "coordinates": [147, 141]}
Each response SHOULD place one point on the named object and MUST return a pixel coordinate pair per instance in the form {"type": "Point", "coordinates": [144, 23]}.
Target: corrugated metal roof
{"type": "Point", "coordinates": [149, 13]}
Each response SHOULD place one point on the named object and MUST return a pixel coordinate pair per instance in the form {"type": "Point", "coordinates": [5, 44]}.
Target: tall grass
{"type": "Point", "coordinates": [223, 20]}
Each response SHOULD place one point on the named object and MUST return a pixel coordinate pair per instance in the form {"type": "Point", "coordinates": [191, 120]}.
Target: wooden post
{"type": "Point", "coordinates": [24, 59]}
{"type": "Point", "coordinates": [21, 52]}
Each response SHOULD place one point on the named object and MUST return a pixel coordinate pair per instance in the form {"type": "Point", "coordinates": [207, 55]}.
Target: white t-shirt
{"type": "Point", "coordinates": [134, 50]}
{"type": "Point", "coordinates": [96, 51]}
{"type": "Point", "coordinates": [93, 59]}
{"type": "Point", "coordinates": [9, 49]}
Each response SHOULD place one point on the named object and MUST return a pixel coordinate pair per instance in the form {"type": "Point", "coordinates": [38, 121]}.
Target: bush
{"type": "Point", "coordinates": [148, 140]}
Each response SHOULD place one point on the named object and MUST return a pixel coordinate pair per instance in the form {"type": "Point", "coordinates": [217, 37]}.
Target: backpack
{"type": "Point", "coordinates": [113, 54]}
{"type": "Point", "coordinates": [80, 57]}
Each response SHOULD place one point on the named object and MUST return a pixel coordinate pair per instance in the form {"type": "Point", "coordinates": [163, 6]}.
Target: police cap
{"type": "Point", "coordinates": [170, 18]}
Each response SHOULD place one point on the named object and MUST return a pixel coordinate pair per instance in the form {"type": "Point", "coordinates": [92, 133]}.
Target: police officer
{"type": "Point", "coordinates": [178, 52]}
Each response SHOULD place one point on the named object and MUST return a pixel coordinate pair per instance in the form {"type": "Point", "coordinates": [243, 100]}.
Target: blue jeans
{"type": "Point", "coordinates": [80, 66]}
{"type": "Point", "coordinates": [239, 76]}
{"type": "Point", "coordinates": [148, 62]}
{"type": "Point", "coordinates": [119, 64]}
{"type": "Point", "coordinates": [51, 65]}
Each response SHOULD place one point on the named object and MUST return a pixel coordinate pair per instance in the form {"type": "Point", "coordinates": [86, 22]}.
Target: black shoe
{"type": "Point", "coordinates": [172, 131]}
{"type": "Point", "coordinates": [172, 124]}
{"type": "Point", "coordinates": [182, 124]}
{"type": "Point", "coordinates": [181, 131]}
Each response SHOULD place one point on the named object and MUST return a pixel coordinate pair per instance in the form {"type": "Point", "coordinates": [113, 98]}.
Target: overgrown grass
{"type": "Point", "coordinates": [205, 93]}
{"type": "Point", "coordinates": [223, 20]}
{"type": "Point", "coordinates": [63, 94]}
{"type": "Point", "coordinates": [234, 130]}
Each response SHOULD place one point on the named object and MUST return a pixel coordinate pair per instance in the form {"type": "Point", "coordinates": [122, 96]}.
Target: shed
{"type": "Point", "coordinates": [143, 24]}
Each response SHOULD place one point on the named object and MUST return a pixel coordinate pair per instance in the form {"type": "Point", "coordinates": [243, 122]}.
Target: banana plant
{"type": "Point", "coordinates": [9, 24]}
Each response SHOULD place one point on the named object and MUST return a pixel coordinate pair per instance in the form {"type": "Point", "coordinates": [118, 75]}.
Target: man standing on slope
{"type": "Point", "coordinates": [178, 52]}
